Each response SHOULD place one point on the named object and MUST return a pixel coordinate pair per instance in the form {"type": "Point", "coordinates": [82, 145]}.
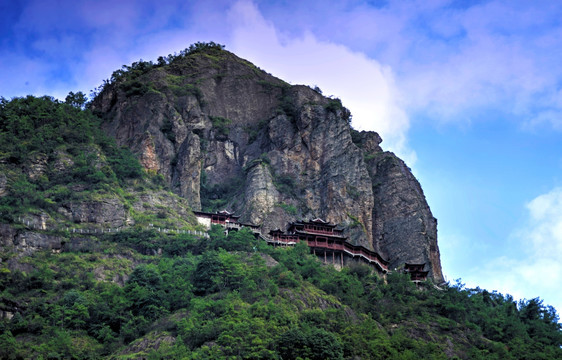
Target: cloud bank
{"type": "Point", "coordinates": [453, 61]}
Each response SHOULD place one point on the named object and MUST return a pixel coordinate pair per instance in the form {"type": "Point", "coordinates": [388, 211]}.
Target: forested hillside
{"type": "Point", "coordinates": [234, 297]}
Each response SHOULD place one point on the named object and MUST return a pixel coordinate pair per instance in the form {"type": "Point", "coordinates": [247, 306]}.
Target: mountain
{"type": "Point", "coordinates": [227, 135]}
{"type": "Point", "coordinates": [100, 259]}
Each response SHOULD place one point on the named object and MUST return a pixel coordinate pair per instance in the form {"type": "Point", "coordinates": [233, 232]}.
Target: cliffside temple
{"type": "Point", "coordinates": [416, 271]}
{"type": "Point", "coordinates": [325, 240]}
{"type": "Point", "coordinates": [224, 218]}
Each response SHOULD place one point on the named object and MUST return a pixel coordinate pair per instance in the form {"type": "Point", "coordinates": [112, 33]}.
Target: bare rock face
{"type": "Point", "coordinates": [404, 228]}
{"type": "Point", "coordinates": [26, 243]}
{"type": "Point", "coordinates": [227, 135]}
{"type": "Point", "coordinates": [7, 234]}
{"type": "Point", "coordinates": [32, 241]}
{"type": "Point", "coordinates": [261, 194]}
{"type": "Point", "coordinates": [109, 212]}
{"type": "Point", "coordinates": [37, 166]}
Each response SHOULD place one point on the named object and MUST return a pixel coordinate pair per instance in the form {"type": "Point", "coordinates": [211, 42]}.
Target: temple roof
{"type": "Point", "coordinates": [314, 222]}
{"type": "Point", "coordinates": [318, 220]}
{"type": "Point", "coordinates": [223, 213]}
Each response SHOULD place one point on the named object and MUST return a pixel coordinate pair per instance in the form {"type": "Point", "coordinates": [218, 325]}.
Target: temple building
{"type": "Point", "coordinates": [279, 238]}
{"type": "Point", "coordinates": [328, 242]}
{"type": "Point", "coordinates": [325, 240]}
{"type": "Point", "coordinates": [416, 271]}
{"type": "Point", "coordinates": [224, 218]}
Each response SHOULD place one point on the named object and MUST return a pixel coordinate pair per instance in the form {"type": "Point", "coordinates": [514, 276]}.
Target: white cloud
{"type": "Point", "coordinates": [545, 230]}
{"type": "Point", "coordinates": [537, 271]}
{"type": "Point", "coordinates": [387, 63]}
{"type": "Point", "coordinates": [453, 61]}
{"type": "Point", "coordinates": [365, 86]}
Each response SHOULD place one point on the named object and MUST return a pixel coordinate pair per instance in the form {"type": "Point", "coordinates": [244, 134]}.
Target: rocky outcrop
{"type": "Point", "coordinates": [7, 235]}
{"type": "Point", "coordinates": [109, 212]}
{"type": "Point", "coordinates": [226, 134]}
{"type": "Point", "coordinates": [25, 242]}
{"type": "Point", "coordinates": [151, 342]}
{"type": "Point", "coordinates": [261, 194]}
{"type": "Point", "coordinates": [404, 228]}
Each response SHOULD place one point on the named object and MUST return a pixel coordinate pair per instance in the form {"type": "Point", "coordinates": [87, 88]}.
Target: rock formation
{"type": "Point", "coordinates": [226, 134]}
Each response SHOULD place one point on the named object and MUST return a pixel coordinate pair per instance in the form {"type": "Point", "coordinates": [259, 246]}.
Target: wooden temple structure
{"type": "Point", "coordinates": [224, 218]}
{"type": "Point", "coordinates": [326, 241]}
{"type": "Point", "coordinates": [416, 271]}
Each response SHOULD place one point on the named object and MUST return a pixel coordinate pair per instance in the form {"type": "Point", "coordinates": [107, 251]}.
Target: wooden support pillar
{"type": "Point", "coordinates": [324, 256]}
{"type": "Point", "coordinates": [341, 257]}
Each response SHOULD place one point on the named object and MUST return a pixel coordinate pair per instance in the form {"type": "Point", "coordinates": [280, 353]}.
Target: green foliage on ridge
{"type": "Point", "coordinates": [128, 75]}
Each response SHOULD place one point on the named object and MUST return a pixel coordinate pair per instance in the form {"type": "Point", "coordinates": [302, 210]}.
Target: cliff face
{"type": "Point", "coordinates": [225, 134]}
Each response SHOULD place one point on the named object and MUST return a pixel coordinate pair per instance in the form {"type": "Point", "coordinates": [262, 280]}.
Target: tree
{"type": "Point", "coordinates": [77, 100]}
{"type": "Point", "coordinates": [309, 343]}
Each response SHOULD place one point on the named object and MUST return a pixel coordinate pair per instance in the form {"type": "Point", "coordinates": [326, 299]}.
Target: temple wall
{"type": "Point", "coordinates": [205, 221]}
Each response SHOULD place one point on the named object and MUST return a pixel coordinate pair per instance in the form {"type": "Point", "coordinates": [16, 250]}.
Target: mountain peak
{"type": "Point", "coordinates": [224, 133]}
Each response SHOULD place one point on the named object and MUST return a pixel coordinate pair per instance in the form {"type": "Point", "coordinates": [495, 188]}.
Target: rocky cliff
{"type": "Point", "coordinates": [226, 134]}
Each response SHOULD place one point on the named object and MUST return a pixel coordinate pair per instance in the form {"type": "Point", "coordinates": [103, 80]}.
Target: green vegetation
{"type": "Point", "coordinates": [289, 209]}
{"type": "Point", "coordinates": [285, 184]}
{"type": "Point", "coordinates": [287, 106]}
{"type": "Point", "coordinates": [136, 69]}
{"type": "Point", "coordinates": [353, 192]}
{"type": "Point", "coordinates": [181, 87]}
{"type": "Point", "coordinates": [216, 298]}
{"type": "Point", "coordinates": [132, 80]}
{"type": "Point", "coordinates": [270, 86]}
{"type": "Point", "coordinates": [167, 129]}
{"type": "Point", "coordinates": [334, 105]}
{"type": "Point", "coordinates": [356, 138]}
{"type": "Point", "coordinates": [49, 147]}
{"type": "Point", "coordinates": [220, 125]}
{"type": "Point", "coordinates": [253, 132]}
{"type": "Point", "coordinates": [356, 223]}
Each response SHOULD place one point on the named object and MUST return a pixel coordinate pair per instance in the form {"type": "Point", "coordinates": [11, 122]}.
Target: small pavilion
{"type": "Point", "coordinates": [416, 271]}
{"type": "Point", "coordinates": [224, 218]}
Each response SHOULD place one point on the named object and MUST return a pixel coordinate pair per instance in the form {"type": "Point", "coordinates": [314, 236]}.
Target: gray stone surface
{"type": "Point", "coordinates": [289, 146]}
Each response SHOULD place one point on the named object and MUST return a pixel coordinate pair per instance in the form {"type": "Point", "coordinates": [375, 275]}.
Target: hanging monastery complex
{"type": "Point", "coordinates": [325, 240]}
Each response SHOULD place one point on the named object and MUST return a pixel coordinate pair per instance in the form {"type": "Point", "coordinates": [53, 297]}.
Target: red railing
{"type": "Point", "coordinates": [352, 250]}
{"type": "Point", "coordinates": [285, 239]}
{"type": "Point", "coordinates": [334, 245]}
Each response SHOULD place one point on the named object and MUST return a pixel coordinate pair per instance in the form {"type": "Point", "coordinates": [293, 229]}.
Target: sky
{"type": "Point", "coordinates": [468, 93]}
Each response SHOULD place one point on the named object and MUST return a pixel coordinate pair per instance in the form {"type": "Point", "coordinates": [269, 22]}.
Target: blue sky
{"type": "Point", "coordinates": [469, 93]}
